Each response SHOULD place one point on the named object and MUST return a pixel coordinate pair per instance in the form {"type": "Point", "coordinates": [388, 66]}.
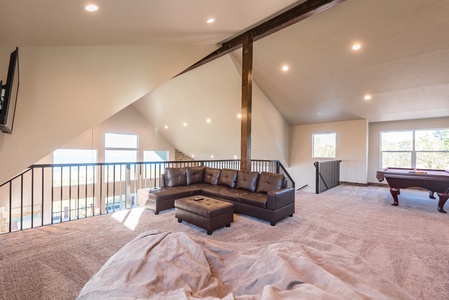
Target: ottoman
{"type": "Point", "coordinates": [204, 212]}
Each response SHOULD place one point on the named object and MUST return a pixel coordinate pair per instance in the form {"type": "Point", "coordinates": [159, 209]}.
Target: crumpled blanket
{"type": "Point", "coordinates": [164, 265]}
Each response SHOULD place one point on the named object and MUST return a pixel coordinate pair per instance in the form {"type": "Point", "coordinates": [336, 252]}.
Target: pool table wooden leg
{"type": "Point", "coordinates": [443, 198]}
{"type": "Point", "coordinates": [395, 192]}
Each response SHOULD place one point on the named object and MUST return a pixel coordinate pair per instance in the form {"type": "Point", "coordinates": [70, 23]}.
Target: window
{"type": "Point", "coordinates": [73, 175]}
{"type": "Point", "coordinates": [152, 170]}
{"type": "Point", "coordinates": [120, 148]}
{"type": "Point", "coordinates": [324, 145]}
{"type": "Point", "coordinates": [423, 149]}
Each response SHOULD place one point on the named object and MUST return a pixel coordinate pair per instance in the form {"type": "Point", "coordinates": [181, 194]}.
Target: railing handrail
{"type": "Point", "coordinates": [15, 177]}
{"type": "Point", "coordinates": [47, 193]}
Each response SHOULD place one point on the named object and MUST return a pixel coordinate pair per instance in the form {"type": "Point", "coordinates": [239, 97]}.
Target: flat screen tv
{"type": "Point", "coordinates": [8, 93]}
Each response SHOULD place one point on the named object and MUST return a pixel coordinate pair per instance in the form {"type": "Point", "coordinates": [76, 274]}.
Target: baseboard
{"type": "Point", "coordinates": [353, 183]}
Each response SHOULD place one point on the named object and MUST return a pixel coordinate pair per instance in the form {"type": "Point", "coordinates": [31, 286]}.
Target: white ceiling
{"type": "Point", "coordinates": [124, 22]}
{"type": "Point", "coordinates": [403, 63]}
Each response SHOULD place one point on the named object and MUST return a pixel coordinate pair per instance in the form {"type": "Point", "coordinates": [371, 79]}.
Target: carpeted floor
{"type": "Point", "coordinates": [408, 244]}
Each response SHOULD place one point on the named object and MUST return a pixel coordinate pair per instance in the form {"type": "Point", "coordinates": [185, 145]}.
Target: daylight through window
{"type": "Point", "coordinates": [422, 149]}
{"type": "Point", "coordinates": [324, 145]}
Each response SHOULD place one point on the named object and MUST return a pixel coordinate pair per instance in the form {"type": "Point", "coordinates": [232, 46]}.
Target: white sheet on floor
{"type": "Point", "coordinates": [165, 265]}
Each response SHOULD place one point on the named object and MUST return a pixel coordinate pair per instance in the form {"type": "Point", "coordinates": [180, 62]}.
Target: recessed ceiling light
{"type": "Point", "coordinates": [356, 46]}
{"type": "Point", "coordinates": [185, 123]}
{"type": "Point", "coordinates": [285, 68]}
{"type": "Point", "coordinates": [211, 156]}
{"type": "Point", "coordinates": [91, 7]}
{"type": "Point", "coordinates": [239, 116]}
{"type": "Point", "coordinates": [210, 21]}
{"type": "Point", "coordinates": [208, 120]}
{"type": "Point", "coordinates": [235, 156]}
{"type": "Point", "coordinates": [367, 97]}
{"type": "Point", "coordinates": [166, 127]}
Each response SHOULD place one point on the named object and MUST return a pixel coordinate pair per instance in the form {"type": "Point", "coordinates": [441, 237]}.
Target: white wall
{"type": "Point", "coordinates": [214, 91]}
{"type": "Point", "coordinates": [352, 147]}
{"type": "Point", "coordinates": [64, 91]}
{"type": "Point", "coordinates": [127, 121]}
{"type": "Point", "coordinates": [376, 128]}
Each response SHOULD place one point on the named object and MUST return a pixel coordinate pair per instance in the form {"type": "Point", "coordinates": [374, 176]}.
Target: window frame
{"type": "Point", "coordinates": [314, 135]}
{"type": "Point", "coordinates": [413, 152]}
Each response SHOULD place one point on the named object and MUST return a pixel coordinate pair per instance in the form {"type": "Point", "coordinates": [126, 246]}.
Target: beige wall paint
{"type": "Point", "coordinates": [64, 91]}
{"type": "Point", "coordinates": [214, 91]}
{"type": "Point", "coordinates": [352, 147]}
{"type": "Point", "coordinates": [374, 137]}
{"type": "Point", "coordinates": [127, 121]}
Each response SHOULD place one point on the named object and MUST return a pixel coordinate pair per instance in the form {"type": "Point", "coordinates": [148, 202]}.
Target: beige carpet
{"type": "Point", "coordinates": [408, 244]}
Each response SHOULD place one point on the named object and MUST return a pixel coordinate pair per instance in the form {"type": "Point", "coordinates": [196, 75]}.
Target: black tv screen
{"type": "Point", "coordinates": [9, 92]}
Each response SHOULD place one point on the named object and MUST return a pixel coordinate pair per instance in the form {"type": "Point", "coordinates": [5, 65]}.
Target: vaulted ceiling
{"type": "Point", "coordinates": [402, 64]}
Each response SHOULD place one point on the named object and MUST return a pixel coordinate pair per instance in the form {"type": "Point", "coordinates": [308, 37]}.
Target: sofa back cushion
{"type": "Point", "coordinates": [175, 176]}
{"type": "Point", "coordinates": [247, 180]}
{"type": "Point", "coordinates": [211, 175]}
{"type": "Point", "coordinates": [194, 175]}
{"type": "Point", "coordinates": [227, 177]}
{"type": "Point", "coordinates": [269, 182]}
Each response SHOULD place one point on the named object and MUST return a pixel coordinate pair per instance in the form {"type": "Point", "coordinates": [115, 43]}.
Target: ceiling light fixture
{"type": "Point", "coordinates": [356, 46]}
{"type": "Point", "coordinates": [208, 120]}
{"type": "Point", "coordinates": [185, 124]}
{"type": "Point", "coordinates": [166, 127]}
{"type": "Point", "coordinates": [239, 116]}
{"type": "Point", "coordinates": [367, 97]}
{"type": "Point", "coordinates": [210, 21]}
{"type": "Point", "coordinates": [91, 7]}
{"type": "Point", "coordinates": [285, 68]}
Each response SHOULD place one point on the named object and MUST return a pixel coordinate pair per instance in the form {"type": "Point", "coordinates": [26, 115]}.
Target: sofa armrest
{"type": "Point", "coordinates": [279, 198]}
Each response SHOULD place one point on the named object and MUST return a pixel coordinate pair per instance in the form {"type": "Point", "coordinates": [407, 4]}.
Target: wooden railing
{"type": "Point", "coordinates": [327, 175]}
{"type": "Point", "coordinates": [46, 194]}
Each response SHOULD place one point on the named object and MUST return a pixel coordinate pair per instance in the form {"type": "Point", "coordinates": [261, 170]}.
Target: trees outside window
{"type": "Point", "coordinates": [422, 149]}
{"type": "Point", "coordinates": [324, 145]}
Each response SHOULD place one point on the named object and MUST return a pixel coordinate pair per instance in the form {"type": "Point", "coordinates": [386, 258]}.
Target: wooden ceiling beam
{"type": "Point", "coordinates": [285, 19]}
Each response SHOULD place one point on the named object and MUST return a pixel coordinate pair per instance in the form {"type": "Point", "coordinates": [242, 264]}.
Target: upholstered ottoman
{"type": "Point", "coordinates": [204, 212]}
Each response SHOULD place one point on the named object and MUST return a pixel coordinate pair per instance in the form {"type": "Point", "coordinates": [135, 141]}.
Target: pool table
{"type": "Point", "coordinates": [432, 180]}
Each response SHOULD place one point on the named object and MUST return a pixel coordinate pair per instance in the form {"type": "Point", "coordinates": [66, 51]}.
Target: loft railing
{"type": "Point", "coordinates": [46, 194]}
{"type": "Point", "coordinates": [327, 175]}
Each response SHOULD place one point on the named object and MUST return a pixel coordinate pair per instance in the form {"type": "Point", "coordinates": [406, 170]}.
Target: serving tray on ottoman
{"type": "Point", "coordinates": [207, 213]}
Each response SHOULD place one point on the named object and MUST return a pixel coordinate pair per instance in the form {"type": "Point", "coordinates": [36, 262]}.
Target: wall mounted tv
{"type": "Point", "coordinates": [8, 93]}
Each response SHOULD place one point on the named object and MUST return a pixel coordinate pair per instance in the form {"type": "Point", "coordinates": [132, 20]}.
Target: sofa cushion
{"type": "Point", "coordinates": [172, 193]}
{"type": "Point", "coordinates": [269, 182]}
{"type": "Point", "coordinates": [211, 175]}
{"type": "Point", "coordinates": [227, 177]}
{"type": "Point", "coordinates": [247, 180]}
{"type": "Point", "coordinates": [254, 199]}
{"type": "Point", "coordinates": [210, 190]}
{"type": "Point", "coordinates": [230, 193]}
{"type": "Point", "coordinates": [194, 175]}
{"type": "Point", "coordinates": [175, 177]}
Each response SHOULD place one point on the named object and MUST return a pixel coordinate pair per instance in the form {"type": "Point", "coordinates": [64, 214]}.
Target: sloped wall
{"type": "Point", "coordinates": [64, 91]}
{"type": "Point", "coordinates": [127, 121]}
{"type": "Point", "coordinates": [213, 91]}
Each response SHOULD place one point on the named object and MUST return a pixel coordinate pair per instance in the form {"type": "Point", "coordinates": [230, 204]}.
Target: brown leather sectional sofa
{"type": "Point", "coordinates": [261, 195]}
